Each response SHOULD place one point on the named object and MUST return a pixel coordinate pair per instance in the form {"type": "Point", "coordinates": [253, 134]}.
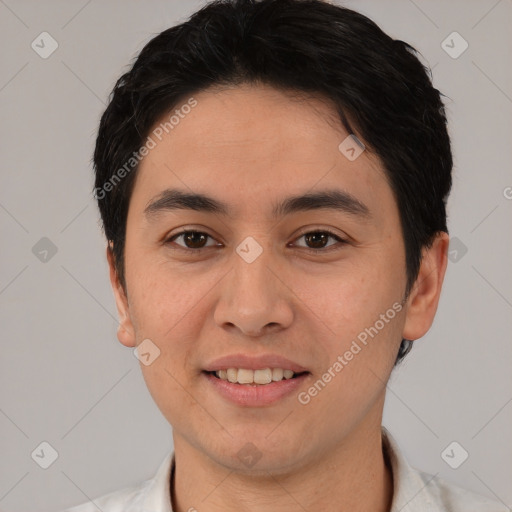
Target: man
{"type": "Point", "coordinates": [272, 178]}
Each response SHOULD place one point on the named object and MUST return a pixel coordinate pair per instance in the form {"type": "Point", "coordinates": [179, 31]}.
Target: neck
{"type": "Point", "coordinates": [353, 476]}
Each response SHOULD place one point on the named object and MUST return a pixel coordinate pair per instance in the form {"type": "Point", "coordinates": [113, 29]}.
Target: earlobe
{"type": "Point", "coordinates": [424, 297]}
{"type": "Point", "coordinates": [125, 331]}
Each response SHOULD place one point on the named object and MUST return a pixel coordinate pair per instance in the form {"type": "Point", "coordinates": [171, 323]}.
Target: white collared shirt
{"type": "Point", "coordinates": [413, 491]}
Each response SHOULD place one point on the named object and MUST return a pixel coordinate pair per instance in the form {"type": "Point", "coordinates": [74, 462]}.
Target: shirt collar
{"type": "Point", "coordinates": [409, 485]}
{"type": "Point", "coordinates": [158, 493]}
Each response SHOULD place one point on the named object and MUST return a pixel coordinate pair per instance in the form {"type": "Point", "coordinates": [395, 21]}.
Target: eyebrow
{"type": "Point", "coordinates": [338, 200]}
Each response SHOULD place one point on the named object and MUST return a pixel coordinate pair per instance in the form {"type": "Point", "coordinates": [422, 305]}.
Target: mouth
{"type": "Point", "coordinates": [261, 377]}
{"type": "Point", "coordinates": [245, 387]}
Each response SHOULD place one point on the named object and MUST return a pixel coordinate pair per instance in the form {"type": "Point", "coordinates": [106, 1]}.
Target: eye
{"type": "Point", "coordinates": [194, 240]}
{"type": "Point", "coordinates": [318, 240]}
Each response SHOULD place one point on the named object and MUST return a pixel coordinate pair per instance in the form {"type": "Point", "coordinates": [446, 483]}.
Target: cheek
{"type": "Point", "coordinates": [359, 315]}
{"type": "Point", "coordinates": [348, 300]}
{"type": "Point", "coordinates": [167, 314]}
{"type": "Point", "coordinates": [161, 294]}
{"type": "Point", "coordinates": [165, 309]}
{"type": "Point", "coordinates": [359, 348]}
{"type": "Point", "coordinates": [171, 307]}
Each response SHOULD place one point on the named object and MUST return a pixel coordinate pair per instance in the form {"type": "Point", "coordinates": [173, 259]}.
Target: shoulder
{"type": "Point", "coordinates": [417, 491]}
{"type": "Point", "coordinates": [152, 494]}
{"type": "Point", "coordinates": [440, 494]}
{"type": "Point", "coordinates": [127, 499]}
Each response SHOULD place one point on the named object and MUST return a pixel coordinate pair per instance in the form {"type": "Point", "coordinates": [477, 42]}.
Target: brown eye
{"type": "Point", "coordinates": [317, 240]}
{"type": "Point", "coordinates": [193, 240]}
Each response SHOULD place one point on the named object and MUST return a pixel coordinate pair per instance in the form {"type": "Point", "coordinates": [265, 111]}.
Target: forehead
{"type": "Point", "coordinates": [240, 122]}
{"type": "Point", "coordinates": [253, 145]}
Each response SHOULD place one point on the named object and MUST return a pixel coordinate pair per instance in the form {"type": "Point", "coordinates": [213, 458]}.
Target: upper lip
{"type": "Point", "coordinates": [253, 363]}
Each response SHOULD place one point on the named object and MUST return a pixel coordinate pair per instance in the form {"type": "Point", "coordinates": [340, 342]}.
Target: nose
{"type": "Point", "coordinates": [254, 299]}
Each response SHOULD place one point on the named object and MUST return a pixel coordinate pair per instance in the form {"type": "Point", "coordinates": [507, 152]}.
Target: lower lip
{"type": "Point", "coordinates": [255, 395]}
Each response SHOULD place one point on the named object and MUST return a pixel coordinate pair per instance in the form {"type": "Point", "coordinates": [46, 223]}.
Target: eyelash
{"type": "Point", "coordinates": [330, 234]}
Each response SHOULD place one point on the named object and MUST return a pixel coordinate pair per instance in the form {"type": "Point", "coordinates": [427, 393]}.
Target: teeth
{"type": "Point", "coordinates": [246, 376]}
{"type": "Point", "coordinates": [263, 376]}
{"type": "Point", "coordinates": [288, 374]}
{"type": "Point", "coordinates": [231, 374]}
{"type": "Point", "coordinates": [277, 374]}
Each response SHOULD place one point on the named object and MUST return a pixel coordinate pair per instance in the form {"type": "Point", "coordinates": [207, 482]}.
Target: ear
{"type": "Point", "coordinates": [424, 297]}
{"type": "Point", "coordinates": [125, 330]}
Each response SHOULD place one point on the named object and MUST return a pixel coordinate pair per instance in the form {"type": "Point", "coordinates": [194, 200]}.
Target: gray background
{"type": "Point", "coordinates": [64, 377]}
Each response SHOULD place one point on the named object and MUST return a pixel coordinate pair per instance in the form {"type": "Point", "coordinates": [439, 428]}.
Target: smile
{"type": "Point", "coordinates": [248, 376]}
{"type": "Point", "coordinates": [252, 388]}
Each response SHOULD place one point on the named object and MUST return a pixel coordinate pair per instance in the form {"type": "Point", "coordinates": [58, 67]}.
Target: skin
{"type": "Point", "coordinates": [251, 146]}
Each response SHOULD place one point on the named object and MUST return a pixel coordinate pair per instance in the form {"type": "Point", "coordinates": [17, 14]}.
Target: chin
{"type": "Point", "coordinates": [252, 452]}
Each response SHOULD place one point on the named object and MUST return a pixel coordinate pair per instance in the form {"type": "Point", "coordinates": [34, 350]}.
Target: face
{"type": "Point", "coordinates": [313, 290]}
